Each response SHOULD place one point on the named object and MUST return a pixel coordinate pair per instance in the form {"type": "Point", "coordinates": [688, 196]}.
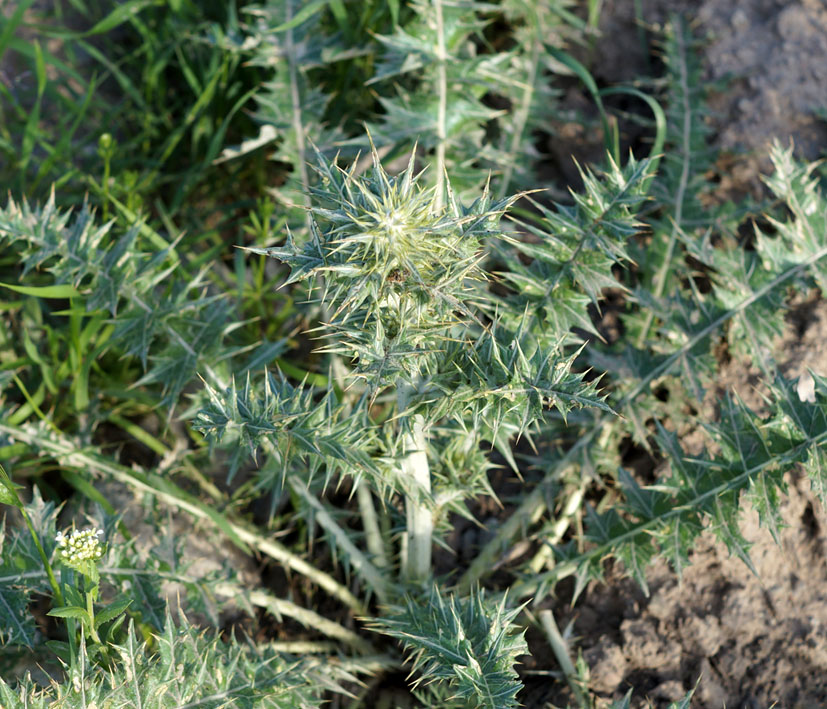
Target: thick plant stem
{"type": "Point", "coordinates": [677, 222]}
{"type": "Point", "coordinates": [521, 116]}
{"type": "Point", "coordinates": [420, 522]}
{"type": "Point", "coordinates": [296, 105]}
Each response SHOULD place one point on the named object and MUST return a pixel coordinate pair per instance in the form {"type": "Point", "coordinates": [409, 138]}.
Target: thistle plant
{"type": "Point", "coordinates": [442, 367]}
{"type": "Point", "coordinates": [465, 644]}
{"type": "Point", "coordinates": [404, 281]}
{"type": "Point", "coordinates": [414, 323]}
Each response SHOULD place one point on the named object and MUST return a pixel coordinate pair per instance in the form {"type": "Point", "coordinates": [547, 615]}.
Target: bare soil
{"type": "Point", "coordinates": [749, 641]}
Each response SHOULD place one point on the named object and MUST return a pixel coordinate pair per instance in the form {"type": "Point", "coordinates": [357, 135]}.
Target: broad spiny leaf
{"type": "Point", "coordinates": [470, 645]}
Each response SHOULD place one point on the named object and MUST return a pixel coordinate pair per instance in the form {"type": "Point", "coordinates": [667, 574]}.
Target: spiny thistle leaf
{"type": "Point", "coordinates": [439, 79]}
{"type": "Point", "coordinates": [401, 276]}
{"type": "Point", "coordinates": [295, 425]}
{"type": "Point", "coordinates": [398, 272]}
{"type": "Point", "coordinates": [76, 251]}
{"type": "Point", "coordinates": [792, 257]}
{"type": "Point", "coordinates": [576, 247]}
{"type": "Point", "coordinates": [288, 44]}
{"type": "Point", "coordinates": [470, 645]}
{"type": "Point", "coordinates": [704, 492]}
{"type": "Point", "coordinates": [172, 329]}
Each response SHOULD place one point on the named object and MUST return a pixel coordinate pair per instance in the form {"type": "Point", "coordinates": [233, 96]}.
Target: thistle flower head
{"type": "Point", "coordinates": [401, 269]}
{"type": "Point", "coordinates": [378, 223]}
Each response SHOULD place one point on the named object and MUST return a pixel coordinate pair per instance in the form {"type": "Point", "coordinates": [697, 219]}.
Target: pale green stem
{"type": "Point", "coordinates": [561, 652]}
{"type": "Point", "coordinates": [521, 117]}
{"type": "Point", "coordinates": [90, 609]}
{"type": "Point", "coordinates": [415, 469]}
{"type": "Point", "coordinates": [298, 125]}
{"type": "Point", "coordinates": [442, 109]}
{"type": "Point", "coordinates": [561, 524]}
{"type": "Point", "coordinates": [686, 152]}
{"type": "Point", "coordinates": [357, 559]}
{"type": "Point", "coordinates": [309, 619]}
{"type": "Point", "coordinates": [370, 523]}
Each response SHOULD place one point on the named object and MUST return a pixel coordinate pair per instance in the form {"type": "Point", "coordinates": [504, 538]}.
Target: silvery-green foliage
{"type": "Point", "coordinates": [318, 433]}
{"type": "Point", "coordinates": [183, 667]}
{"type": "Point", "coordinates": [703, 492]}
{"type": "Point", "coordinates": [522, 80]}
{"type": "Point", "coordinates": [677, 212]}
{"type": "Point", "coordinates": [746, 305]}
{"type": "Point", "coordinates": [673, 327]}
{"type": "Point", "coordinates": [467, 645]}
{"type": "Point", "coordinates": [418, 113]}
{"type": "Point", "coordinates": [788, 258]}
{"type": "Point", "coordinates": [287, 101]}
{"type": "Point", "coordinates": [576, 246]}
{"type": "Point", "coordinates": [410, 306]}
{"type": "Point", "coordinates": [682, 217]}
{"type": "Point", "coordinates": [398, 270]}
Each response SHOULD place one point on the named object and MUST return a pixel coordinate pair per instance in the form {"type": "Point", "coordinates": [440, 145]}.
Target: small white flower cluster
{"type": "Point", "coordinates": [80, 545]}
